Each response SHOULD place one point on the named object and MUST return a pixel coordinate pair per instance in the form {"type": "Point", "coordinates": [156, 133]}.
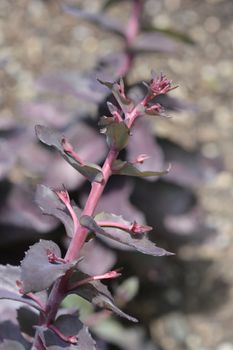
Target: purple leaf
{"type": "Point", "coordinates": [50, 204]}
{"type": "Point", "coordinates": [37, 273]}
{"type": "Point", "coordinates": [189, 225]}
{"type": "Point", "coordinates": [11, 337]}
{"type": "Point", "coordinates": [118, 91]}
{"type": "Point", "coordinates": [92, 263]}
{"type": "Point", "coordinates": [27, 320]}
{"type": "Point", "coordinates": [10, 147]}
{"type": "Point", "coordinates": [125, 168]}
{"type": "Point", "coordinates": [53, 138]}
{"type": "Point", "coordinates": [5, 294]}
{"type": "Point", "coordinates": [83, 86]}
{"type": "Point", "coordinates": [19, 212]}
{"type": "Point", "coordinates": [139, 242]}
{"type": "Point", "coordinates": [8, 277]}
{"type": "Point", "coordinates": [68, 325]}
{"type": "Point", "coordinates": [11, 345]}
{"type": "Point", "coordinates": [99, 18]}
{"type": "Point", "coordinates": [54, 115]}
{"type": "Point", "coordinates": [98, 294]}
{"type": "Point", "coordinates": [154, 42]}
{"type": "Point", "coordinates": [189, 168]}
{"type": "Point", "coordinates": [143, 142]}
{"type": "Point", "coordinates": [117, 201]}
{"type": "Point", "coordinates": [59, 172]}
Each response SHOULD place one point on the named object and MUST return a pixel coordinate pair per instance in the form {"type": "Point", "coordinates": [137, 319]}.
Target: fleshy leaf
{"type": "Point", "coordinates": [117, 134]}
{"type": "Point", "coordinates": [11, 337]}
{"type": "Point", "coordinates": [8, 277]}
{"type": "Point", "coordinates": [50, 204]}
{"type": "Point", "coordinates": [68, 325]}
{"type": "Point", "coordinates": [140, 243]}
{"type": "Point", "coordinates": [81, 85]}
{"type": "Point", "coordinates": [117, 89]}
{"type": "Point", "coordinates": [27, 320]}
{"type": "Point", "coordinates": [53, 138]}
{"type": "Point", "coordinates": [100, 19]}
{"type": "Point", "coordinates": [142, 141]}
{"type": "Point", "coordinates": [5, 294]}
{"type": "Point", "coordinates": [126, 168]}
{"type": "Point", "coordinates": [37, 273]}
{"type": "Point", "coordinates": [154, 42]}
{"type": "Point", "coordinates": [98, 294]}
{"type": "Point", "coordinates": [11, 345]}
{"type": "Point", "coordinates": [92, 263]}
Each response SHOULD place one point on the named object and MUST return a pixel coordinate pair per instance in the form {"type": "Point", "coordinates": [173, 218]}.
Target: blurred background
{"type": "Point", "coordinates": [185, 302]}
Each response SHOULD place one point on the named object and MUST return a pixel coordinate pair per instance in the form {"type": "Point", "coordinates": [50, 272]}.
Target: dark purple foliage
{"type": "Point", "coordinates": [45, 277]}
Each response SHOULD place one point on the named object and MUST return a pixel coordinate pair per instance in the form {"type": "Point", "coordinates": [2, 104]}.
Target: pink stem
{"type": "Point", "coordinates": [37, 300]}
{"type": "Point", "coordinates": [94, 196]}
{"type": "Point", "coordinates": [121, 226]}
{"type": "Point", "coordinates": [131, 32]}
{"type": "Point", "coordinates": [68, 339]}
{"type": "Point", "coordinates": [108, 275]}
{"type": "Point", "coordinates": [133, 23]}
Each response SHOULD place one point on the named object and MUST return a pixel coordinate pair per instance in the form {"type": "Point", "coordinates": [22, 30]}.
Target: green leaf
{"type": "Point", "coordinates": [53, 138]}
{"type": "Point", "coordinates": [117, 134]}
{"type": "Point", "coordinates": [126, 168]}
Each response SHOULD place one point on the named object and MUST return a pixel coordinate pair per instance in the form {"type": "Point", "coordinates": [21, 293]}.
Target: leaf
{"type": "Point", "coordinates": [53, 138]}
{"type": "Point", "coordinates": [170, 32]}
{"type": "Point", "coordinates": [68, 325]}
{"type": "Point", "coordinates": [98, 294]}
{"type": "Point", "coordinates": [11, 337]}
{"type": "Point", "coordinates": [27, 320]}
{"type": "Point", "coordinates": [143, 142]}
{"type": "Point", "coordinates": [127, 290]}
{"type": "Point", "coordinates": [108, 3]}
{"type": "Point", "coordinates": [140, 243]}
{"type": "Point", "coordinates": [81, 85]}
{"type": "Point", "coordinates": [117, 134]}
{"type": "Point", "coordinates": [59, 172]}
{"type": "Point", "coordinates": [50, 204]}
{"type": "Point", "coordinates": [117, 89]}
{"type": "Point", "coordinates": [5, 294]}
{"type": "Point", "coordinates": [99, 18]}
{"type": "Point", "coordinates": [153, 42]}
{"type": "Point", "coordinates": [8, 277]}
{"type": "Point", "coordinates": [11, 345]}
{"type": "Point", "coordinates": [125, 168]}
{"type": "Point", "coordinates": [115, 333]}
{"type": "Point", "coordinates": [116, 200]}
{"type": "Point", "coordinates": [92, 263]}
{"type": "Point", "coordinates": [20, 218]}
{"type": "Point", "coordinates": [37, 273]}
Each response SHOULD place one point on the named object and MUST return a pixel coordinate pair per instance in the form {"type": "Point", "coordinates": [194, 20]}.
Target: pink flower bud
{"type": "Point", "coordinates": [141, 158]}
{"type": "Point", "coordinates": [137, 228]}
{"type": "Point", "coordinates": [67, 146]}
{"type": "Point", "coordinates": [64, 196]}
{"type": "Point", "coordinates": [156, 109]}
{"type": "Point", "coordinates": [160, 85]}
